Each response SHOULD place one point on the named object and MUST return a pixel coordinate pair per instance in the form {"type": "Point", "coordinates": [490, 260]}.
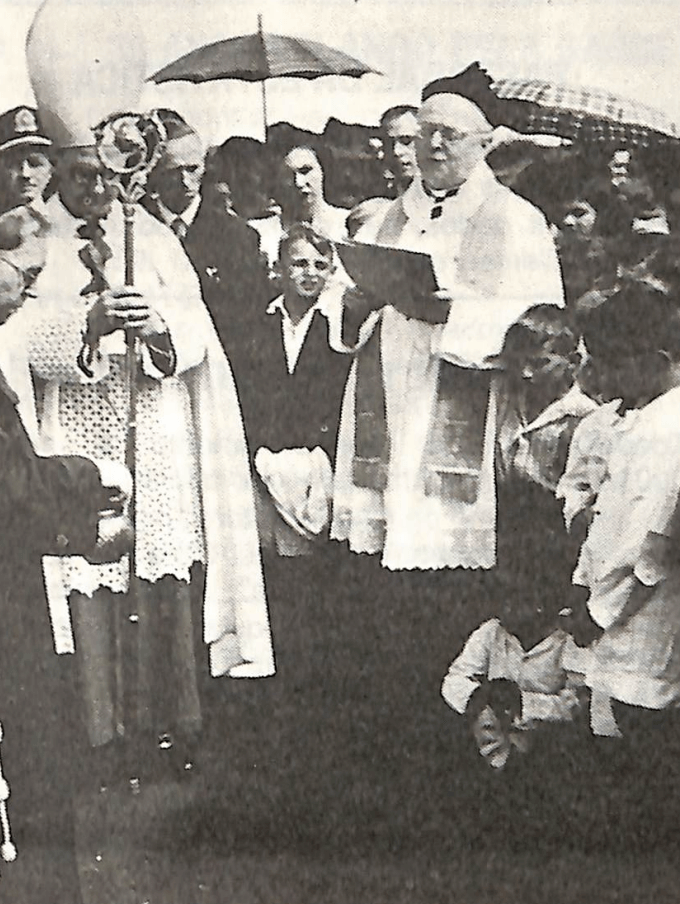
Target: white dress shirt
{"type": "Point", "coordinates": [293, 335]}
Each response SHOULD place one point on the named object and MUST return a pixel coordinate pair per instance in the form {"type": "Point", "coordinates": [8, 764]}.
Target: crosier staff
{"type": "Point", "coordinates": [128, 146]}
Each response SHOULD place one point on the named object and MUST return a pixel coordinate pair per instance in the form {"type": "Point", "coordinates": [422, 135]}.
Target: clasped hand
{"type": "Point", "coordinates": [124, 309]}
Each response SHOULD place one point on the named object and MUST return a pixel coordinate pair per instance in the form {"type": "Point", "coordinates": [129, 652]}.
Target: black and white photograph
{"type": "Point", "coordinates": [340, 452]}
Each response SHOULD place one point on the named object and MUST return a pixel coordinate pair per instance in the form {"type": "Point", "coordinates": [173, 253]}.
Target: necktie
{"type": "Point", "coordinates": [179, 227]}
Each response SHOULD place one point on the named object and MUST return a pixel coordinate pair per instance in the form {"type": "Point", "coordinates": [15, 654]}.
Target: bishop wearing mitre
{"type": "Point", "coordinates": [193, 502]}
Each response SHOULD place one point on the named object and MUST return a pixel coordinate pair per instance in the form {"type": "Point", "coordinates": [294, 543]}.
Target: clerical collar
{"type": "Point", "coordinates": [439, 196]}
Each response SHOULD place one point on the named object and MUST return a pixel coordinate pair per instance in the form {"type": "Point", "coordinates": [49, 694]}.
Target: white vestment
{"type": "Point", "coordinates": [193, 493]}
{"type": "Point", "coordinates": [494, 254]}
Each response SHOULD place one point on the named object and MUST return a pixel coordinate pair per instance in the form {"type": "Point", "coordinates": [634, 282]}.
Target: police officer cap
{"type": "Point", "coordinates": [20, 127]}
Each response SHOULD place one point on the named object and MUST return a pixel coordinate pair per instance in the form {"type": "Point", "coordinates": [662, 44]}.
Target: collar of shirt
{"type": "Point", "coordinates": [418, 203]}
{"type": "Point", "coordinates": [294, 334]}
{"type": "Point", "coordinates": [574, 403]}
{"type": "Point", "coordinates": [656, 421]}
{"type": "Point", "coordinates": [168, 216]}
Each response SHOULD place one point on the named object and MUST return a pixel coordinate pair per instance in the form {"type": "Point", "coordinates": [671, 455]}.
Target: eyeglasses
{"type": "Point", "coordinates": [447, 134]}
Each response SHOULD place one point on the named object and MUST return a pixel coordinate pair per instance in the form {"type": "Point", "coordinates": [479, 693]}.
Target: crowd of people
{"type": "Point", "coordinates": [459, 442]}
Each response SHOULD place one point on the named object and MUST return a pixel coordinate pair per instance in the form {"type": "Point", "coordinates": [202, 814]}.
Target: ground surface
{"type": "Point", "coordinates": [346, 780]}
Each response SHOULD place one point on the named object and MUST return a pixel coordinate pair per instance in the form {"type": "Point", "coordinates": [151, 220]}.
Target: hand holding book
{"type": "Point", "coordinates": [391, 276]}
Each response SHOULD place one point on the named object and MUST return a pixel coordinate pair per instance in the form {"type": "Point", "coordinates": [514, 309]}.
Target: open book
{"type": "Point", "coordinates": [392, 276]}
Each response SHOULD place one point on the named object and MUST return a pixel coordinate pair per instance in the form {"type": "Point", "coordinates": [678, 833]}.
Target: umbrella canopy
{"type": "Point", "coordinates": [261, 56]}
{"type": "Point", "coordinates": [587, 113]}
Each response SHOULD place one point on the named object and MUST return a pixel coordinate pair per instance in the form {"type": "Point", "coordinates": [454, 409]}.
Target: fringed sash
{"type": "Point", "coordinates": [372, 443]}
{"type": "Point", "coordinates": [453, 456]}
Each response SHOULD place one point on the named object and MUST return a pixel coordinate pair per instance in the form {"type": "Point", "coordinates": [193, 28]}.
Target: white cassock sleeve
{"type": "Point", "coordinates": [477, 323]}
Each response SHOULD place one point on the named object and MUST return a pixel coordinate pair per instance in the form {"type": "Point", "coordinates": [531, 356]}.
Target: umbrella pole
{"type": "Point", "coordinates": [263, 82]}
{"type": "Point", "coordinates": [264, 107]}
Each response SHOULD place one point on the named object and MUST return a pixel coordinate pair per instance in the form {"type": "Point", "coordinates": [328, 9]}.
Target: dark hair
{"type": "Point", "coordinates": [638, 318]}
{"type": "Point", "coordinates": [175, 124]}
{"type": "Point", "coordinates": [540, 323]}
{"type": "Point", "coordinates": [302, 147]}
{"type": "Point", "coordinates": [395, 113]}
{"type": "Point", "coordinates": [304, 232]}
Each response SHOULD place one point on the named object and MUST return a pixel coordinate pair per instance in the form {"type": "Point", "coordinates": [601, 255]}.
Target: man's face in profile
{"type": "Point", "coordinates": [400, 146]}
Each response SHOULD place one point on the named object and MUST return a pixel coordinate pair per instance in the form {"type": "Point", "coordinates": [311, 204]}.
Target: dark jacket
{"type": "Point", "coordinates": [224, 251]}
{"type": "Point", "coordinates": [46, 505]}
{"type": "Point", "coordinates": [302, 409]}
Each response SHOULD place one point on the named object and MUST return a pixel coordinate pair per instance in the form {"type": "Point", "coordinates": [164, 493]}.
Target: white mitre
{"type": "Point", "coordinates": [85, 62]}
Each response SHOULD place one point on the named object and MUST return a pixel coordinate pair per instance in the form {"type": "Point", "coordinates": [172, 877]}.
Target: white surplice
{"type": "Point", "coordinates": [494, 253]}
{"type": "Point", "coordinates": [193, 495]}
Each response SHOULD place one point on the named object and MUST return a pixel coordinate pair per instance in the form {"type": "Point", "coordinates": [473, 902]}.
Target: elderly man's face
{"type": "Point", "coordinates": [301, 179]}
{"type": "Point", "coordinates": [24, 174]}
{"type": "Point", "coordinates": [84, 185]}
{"type": "Point", "coordinates": [29, 256]}
{"type": "Point", "coordinates": [178, 176]}
{"type": "Point", "coordinates": [400, 146]}
{"type": "Point", "coordinates": [449, 146]}
{"type": "Point", "coordinates": [22, 255]}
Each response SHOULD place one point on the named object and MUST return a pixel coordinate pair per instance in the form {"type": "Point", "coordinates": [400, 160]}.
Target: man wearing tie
{"type": "Point", "coordinates": [223, 249]}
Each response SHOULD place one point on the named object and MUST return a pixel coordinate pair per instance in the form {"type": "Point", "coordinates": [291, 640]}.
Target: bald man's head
{"type": "Point", "coordinates": [453, 138]}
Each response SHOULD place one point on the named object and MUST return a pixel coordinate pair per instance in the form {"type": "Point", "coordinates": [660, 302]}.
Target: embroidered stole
{"type": "Point", "coordinates": [455, 445]}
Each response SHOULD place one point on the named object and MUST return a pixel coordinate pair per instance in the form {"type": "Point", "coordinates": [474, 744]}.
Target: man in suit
{"type": "Point", "coordinates": [399, 128]}
{"type": "Point", "coordinates": [188, 197]}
